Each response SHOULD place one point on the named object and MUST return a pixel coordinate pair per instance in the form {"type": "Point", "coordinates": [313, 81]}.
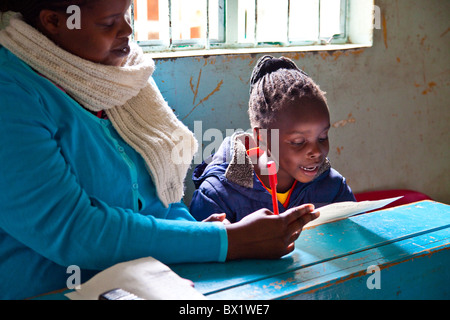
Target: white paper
{"type": "Point", "coordinates": [341, 210]}
{"type": "Point", "coordinates": [146, 278]}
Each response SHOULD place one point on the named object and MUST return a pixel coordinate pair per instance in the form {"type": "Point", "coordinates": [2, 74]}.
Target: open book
{"type": "Point", "coordinates": [341, 210]}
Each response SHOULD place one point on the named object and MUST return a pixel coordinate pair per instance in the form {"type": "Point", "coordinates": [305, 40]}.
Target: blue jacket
{"type": "Point", "coordinates": [227, 186]}
{"type": "Point", "coordinates": [72, 192]}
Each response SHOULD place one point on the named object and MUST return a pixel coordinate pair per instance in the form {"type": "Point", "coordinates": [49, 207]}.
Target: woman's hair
{"type": "Point", "coordinates": [273, 82]}
{"type": "Point", "coordinates": [30, 9]}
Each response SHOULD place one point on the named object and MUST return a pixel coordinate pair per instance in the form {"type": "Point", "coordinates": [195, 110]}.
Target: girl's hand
{"type": "Point", "coordinates": [218, 217]}
{"type": "Point", "coordinates": [263, 235]}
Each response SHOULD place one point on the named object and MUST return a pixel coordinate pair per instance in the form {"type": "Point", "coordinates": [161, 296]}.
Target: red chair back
{"type": "Point", "coordinates": [409, 196]}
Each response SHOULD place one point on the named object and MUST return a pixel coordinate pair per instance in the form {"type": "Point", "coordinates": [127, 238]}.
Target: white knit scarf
{"type": "Point", "coordinates": [134, 104]}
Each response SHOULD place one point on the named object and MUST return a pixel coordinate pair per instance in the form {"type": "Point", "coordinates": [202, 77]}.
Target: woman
{"type": "Point", "coordinates": [86, 158]}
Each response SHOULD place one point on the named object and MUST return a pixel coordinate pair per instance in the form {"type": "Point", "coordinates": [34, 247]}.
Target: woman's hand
{"type": "Point", "coordinates": [263, 235]}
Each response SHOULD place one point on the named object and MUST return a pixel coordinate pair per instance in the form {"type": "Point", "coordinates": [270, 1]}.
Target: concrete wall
{"type": "Point", "coordinates": [389, 103]}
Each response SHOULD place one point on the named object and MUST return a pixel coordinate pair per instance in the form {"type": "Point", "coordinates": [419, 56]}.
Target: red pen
{"type": "Point", "coordinates": [271, 166]}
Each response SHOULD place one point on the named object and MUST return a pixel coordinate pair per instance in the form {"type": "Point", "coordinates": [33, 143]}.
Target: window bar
{"type": "Point", "coordinates": [207, 41]}
{"type": "Point", "coordinates": [318, 25]}
{"type": "Point", "coordinates": [288, 20]}
{"type": "Point", "coordinates": [132, 21]}
{"type": "Point", "coordinates": [221, 21]}
{"type": "Point", "coordinates": [170, 24]}
{"type": "Point", "coordinates": [255, 41]}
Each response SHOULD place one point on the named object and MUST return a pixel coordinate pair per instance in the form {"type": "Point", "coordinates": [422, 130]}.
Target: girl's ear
{"type": "Point", "coordinates": [51, 22]}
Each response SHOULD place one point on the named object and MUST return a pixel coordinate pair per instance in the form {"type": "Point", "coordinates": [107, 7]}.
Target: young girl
{"type": "Point", "coordinates": [290, 121]}
{"type": "Point", "coordinates": [87, 177]}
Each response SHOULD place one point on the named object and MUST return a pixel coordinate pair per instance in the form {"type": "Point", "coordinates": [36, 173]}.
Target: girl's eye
{"type": "Point", "coordinates": [297, 143]}
{"type": "Point", "coordinates": [323, 139]}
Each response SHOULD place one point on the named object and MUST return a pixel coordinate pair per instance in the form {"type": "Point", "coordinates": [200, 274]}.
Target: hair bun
{"type": "Point", "coordinates": [268, 64]}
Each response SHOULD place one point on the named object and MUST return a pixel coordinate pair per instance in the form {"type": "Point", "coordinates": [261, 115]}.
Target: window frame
{"type": "Point", "coordinates": [229, 43]}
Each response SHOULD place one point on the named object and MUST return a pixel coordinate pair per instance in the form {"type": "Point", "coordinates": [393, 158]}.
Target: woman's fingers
{"type": "Point", "coordinates": [294, 236]}
{"type": "Point", "coordinates": [265, 235]}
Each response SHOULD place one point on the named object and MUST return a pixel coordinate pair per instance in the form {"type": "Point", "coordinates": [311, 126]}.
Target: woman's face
{"type": "Point", "coordinates": [104, 33]}
{"type": "Point", "coordinates": [303, 140]}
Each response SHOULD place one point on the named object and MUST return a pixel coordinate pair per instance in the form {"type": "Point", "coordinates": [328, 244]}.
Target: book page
{"type": "Point", "coordinates": [146, 278]}
{"type": "Point", "coordinates": [341, 210]}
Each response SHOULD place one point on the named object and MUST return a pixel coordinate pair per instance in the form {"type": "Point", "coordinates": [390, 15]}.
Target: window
{"type": "Point", "coordinates": [178, 24]}
{"type": "Point", "coordinates": [170, 25]}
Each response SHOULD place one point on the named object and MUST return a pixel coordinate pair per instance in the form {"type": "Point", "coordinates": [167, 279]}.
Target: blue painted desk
{"type": "Point", "coordinates": [409, 244]}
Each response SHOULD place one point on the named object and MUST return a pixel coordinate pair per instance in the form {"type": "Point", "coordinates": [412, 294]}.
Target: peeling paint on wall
{"type": "Point", "coordinates": [445, 32]}
{"type": "Point", "coordinates": [335, 55]}
{"type": "Point", "coordinates": [384, 24]}
{"type": "Point", "coordinates": [343, 123]}
{"type": "Point", "coordinates": [429, 88]}
{"type": "Point", "coordinates": [195, 92]}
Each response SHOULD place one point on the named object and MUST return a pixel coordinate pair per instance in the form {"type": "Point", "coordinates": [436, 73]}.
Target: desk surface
{"type": "Point", "coordinates": [409, 244]}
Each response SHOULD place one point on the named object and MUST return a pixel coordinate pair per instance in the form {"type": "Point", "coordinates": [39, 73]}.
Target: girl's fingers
{"type": "Point", "coordinates": [295, 227]}
{"type": "Point", "coordinates": [295, 214]}
{"type": "Point", "coordinates": [217, 217]}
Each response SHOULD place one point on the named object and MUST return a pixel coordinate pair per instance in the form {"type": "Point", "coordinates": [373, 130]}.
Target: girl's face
{"type": "Point", "coordinates": [303, 135]}
{"type": "Point", "coordinates": [103, 36]}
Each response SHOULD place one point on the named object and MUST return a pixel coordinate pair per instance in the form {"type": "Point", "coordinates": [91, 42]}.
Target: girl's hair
{"type": "Point", "coordinates": [273, 82]}
{"type": "Point", "coordinates": [30, 9]}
